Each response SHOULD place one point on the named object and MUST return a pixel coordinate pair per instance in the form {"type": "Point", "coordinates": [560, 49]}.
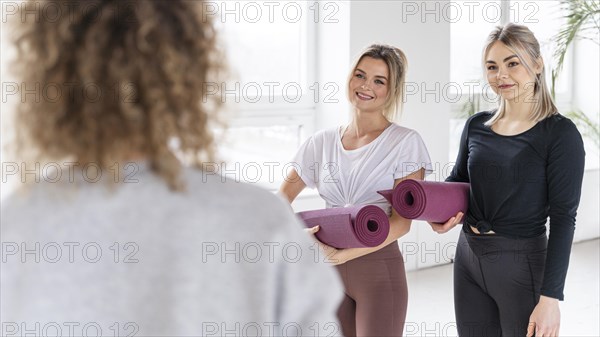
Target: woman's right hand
{"type": "Point", "coordinates": [442, 228]}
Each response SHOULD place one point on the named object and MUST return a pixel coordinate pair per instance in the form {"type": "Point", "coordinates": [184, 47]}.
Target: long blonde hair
{"type": "Point", "coordinates": [523, 43]}
{"type": "Point", "coordinates": [397, 64]}
{"type": "Point", "coordinates": [150, 59]}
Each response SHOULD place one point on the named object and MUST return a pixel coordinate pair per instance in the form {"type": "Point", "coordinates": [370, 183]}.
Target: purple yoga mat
{"type": "Point", "coordinates": [428, 200]}
{"type": "Point", "coordinates": [349, 227]}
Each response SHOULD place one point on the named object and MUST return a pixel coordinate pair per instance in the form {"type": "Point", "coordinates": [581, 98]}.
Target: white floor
{"type": "Point", "coordinates": [431, 312]}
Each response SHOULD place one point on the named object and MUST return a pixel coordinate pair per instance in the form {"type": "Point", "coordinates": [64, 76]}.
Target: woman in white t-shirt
{"type": "Point", "coordinates": [348, 165]}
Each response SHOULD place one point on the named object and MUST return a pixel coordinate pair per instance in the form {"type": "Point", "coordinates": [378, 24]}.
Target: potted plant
{"type": "Point", "coordinates": [582, 23]}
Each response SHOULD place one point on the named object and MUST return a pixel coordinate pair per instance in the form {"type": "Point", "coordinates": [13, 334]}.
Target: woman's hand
{"type": "Point", "coordinates": [332, 255]}
{"type": "Point", "coordinates": [545, 318]}
{"type": "Point", "coordinates": [442, 228]}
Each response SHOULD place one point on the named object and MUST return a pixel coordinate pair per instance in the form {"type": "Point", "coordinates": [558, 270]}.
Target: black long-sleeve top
{"type": "Point", "coordinates": [518, 181]}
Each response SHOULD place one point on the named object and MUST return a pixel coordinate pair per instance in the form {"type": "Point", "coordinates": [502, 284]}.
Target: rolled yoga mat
{"type": "Point", "coordinates": [428, 200]}
{"type": "Point", "coordinates": [349, 227]}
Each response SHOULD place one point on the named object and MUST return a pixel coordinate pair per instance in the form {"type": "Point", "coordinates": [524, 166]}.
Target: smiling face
{"type": "Point", "coordinates": [508, 75]}
{"type": "Point", "coordinates": [369, 85]}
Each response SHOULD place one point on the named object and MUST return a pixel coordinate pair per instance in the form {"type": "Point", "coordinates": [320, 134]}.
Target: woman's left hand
{"type": "Point", "coordinates": [332, 255]}
{"type": "Point", "coordinates": [545, 318]}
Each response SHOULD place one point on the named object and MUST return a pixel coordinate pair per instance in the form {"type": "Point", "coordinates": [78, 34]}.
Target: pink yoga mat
{"type": "Point", "coordinates": [349, 227]}
{"type": "Point", "coordinates": [428, 200]}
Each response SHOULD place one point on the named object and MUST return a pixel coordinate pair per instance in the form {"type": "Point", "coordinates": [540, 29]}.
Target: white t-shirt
{"type": "Point", "coordinates": [222, 258]}
{"type": "Point", "coordinates": [353, 177]}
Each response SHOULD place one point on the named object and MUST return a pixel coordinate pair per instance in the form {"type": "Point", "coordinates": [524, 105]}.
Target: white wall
{"type": "Point", "coordinates": [586, 86]}
{"type": "Point", "coordinates": [588, 216]}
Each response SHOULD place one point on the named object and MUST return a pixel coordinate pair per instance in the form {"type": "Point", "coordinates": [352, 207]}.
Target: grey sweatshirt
{"type": "Point", "coordinates": [220, 259]}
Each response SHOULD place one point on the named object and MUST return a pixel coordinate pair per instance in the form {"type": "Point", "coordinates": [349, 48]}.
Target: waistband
{"type": "Point", "coordinates": [483, 244]}
{"type": "Point", "coordinates": [388, 252]}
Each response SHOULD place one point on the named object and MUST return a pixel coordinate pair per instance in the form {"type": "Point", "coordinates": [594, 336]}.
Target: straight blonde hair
{"type": "Point", "coordinates": [522, 42]}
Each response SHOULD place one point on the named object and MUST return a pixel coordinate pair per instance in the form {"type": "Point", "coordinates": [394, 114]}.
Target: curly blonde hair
{"type": "Point", "coordinates": [131, 81]}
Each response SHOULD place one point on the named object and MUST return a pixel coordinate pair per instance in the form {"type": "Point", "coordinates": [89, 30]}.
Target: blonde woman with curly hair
{"type": "Point", "coordinates": [120, 238]}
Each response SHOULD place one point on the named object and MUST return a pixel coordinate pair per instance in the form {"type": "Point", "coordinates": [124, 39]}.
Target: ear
{"type": "Point", "coordinates": [539, 66]}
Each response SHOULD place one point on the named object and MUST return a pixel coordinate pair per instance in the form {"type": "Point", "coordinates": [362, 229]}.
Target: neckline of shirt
{"type": "Point", "coordinates": [515, 135]}
{"type": "Point", "coordinates": [377, 139]}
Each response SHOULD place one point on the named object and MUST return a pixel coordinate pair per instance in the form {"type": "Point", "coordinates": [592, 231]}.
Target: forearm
{"type": "Point", "coordinates": [557, 259]}
{"type": "Point", "coordinates": [291, 187]}
{"type": "Point", "coordinates": [398, 228]}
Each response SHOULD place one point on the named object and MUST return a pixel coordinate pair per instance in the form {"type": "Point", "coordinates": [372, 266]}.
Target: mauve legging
{"type": "Point", "coordinates": [375, 294]}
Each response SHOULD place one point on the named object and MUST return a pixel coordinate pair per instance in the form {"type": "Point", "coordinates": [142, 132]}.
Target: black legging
{"type": "Point", "coordinates": [497, 282]}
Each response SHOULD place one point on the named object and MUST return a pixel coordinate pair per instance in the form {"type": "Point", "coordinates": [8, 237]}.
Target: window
{"type": "Point", "coordinates": [270, 48]}
{"type": "Point", "coordinates": [260, 154]}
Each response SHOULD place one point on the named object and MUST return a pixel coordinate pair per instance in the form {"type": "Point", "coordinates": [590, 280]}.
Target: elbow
{"type": "Point", "coordinates": [284, 196]}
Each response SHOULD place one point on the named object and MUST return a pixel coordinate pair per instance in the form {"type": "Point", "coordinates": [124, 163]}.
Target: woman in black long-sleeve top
{"type": "Point", "coordinates": [525, 164]}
